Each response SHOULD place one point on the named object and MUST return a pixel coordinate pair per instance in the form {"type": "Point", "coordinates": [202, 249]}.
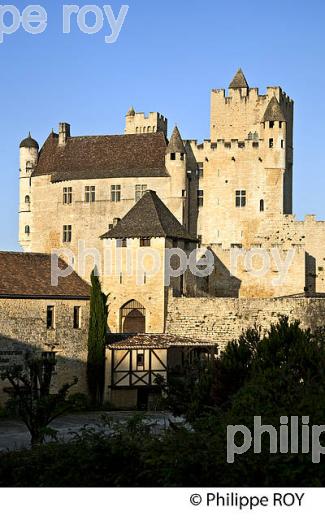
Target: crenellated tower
{"type": "Point", "coordinates": [139, 123]}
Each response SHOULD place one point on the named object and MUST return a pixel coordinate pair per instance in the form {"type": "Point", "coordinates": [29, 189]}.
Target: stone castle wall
{"type": "Point", "coordinates": [223, 319]}
{"type": "Point", "coordinates": [23, 324]}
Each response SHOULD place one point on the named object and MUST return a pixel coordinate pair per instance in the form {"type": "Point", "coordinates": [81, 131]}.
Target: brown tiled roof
{"type": "Point", "coordinates": [108, 156]}
{"type": "Point", "coordinates": [29, 275]}
{"type": "Point", "coordinates": [273, 111]}
{"type": "Point", "coordinates": [149, 217]}
{"type": "Point", "coordinates": [143, 341]}
{"type": "Point", "coordinates": [176, 143]}
{"type": "Point", "coordinates": [239, 80]}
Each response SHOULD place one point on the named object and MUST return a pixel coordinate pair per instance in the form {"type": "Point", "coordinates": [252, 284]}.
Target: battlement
{"type": "Point", "coordinates": [142, 123]}
{"type": "Point", "coordinates": [253, 142]}
{"type": "Point", "coordinates": [252, 93]}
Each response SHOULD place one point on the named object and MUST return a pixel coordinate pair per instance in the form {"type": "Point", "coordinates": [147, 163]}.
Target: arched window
{"type": "Point", "coordinates": [27, 230]}
{"type": "Point", "coordinates": [133, 318]}
{"type": "Point", "coordinates": [261, 205]}
{"type": "Point", "coordinates": [149, 128]}
{"type": "Point", "coordinates": [250, 136]}
{"type": "Point", "coordinates": [137, 129]}
{"type": "Point", "coordinates": [255, 136]}
{"type": "Point", "coordinates": [27, 199]}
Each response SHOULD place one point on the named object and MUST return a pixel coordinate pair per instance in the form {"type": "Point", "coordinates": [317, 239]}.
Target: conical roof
{"type": "Point", "coordinates": [149, 217]}
{"type": "Point", "coordinates": [176, 143]}
{"type": "Point", "coordinates": [273, 111]}
{"type": "Point", "coordinates": [239, 80]}
{"type": "Point", "coordinates": [29, 142]}
{"type": "Point", "coordinates": [131, 112]}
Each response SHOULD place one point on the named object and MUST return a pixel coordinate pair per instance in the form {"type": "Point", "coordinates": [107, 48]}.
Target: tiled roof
{"type": "Point", "coordinates": [239, 80]}
{"type": "Point", "coordinates": [176, 143]}
{"type": "Point", "coordinates": [29, 275]}
{"type": "Point", "coordinates": [273, 111]}
{"type": "Point", "coordinates": [143, 341]}
{"type": "Point", "coordinates": [108, 156]}
{"type": "Point", "coordinates": [149, 217]}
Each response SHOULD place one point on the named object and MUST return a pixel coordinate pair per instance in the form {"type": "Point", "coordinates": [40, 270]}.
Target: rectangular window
{"type": "Point", "coordinates": [50, 317]}
{"type": "Point", "coordinates": [200, 170]}
{"type": "Point", "coordinates": [67, 195]}
{"type": "Point", "coordinates": [140, 190]}
{"type": "Point", "coordinates": [145, 242]}
{"type": "Point", "coordinates": [271, 143]}
{"type": "Point", "coordinates": [90, 194]}
{"type": "Point", "coordinates": [67, 234]}
{"type": "Point", "coordinates": [116, 193]}
{"type": "Point", "coordinates": [140, 359]}
{"type": "Point", "coordinates": [76, 317]}
{"type": "Point", "coordinates": [173, 156]}
{"type": "Point", "coordinates": [271, 124]}
{"type": "Point", "coordinates": [240, 198]}
{"type": "Point", "coordinates": [280, 124]}
{"type": "Point", "coordinates": [200, 196]}
{"type": "Point", "coordinates": [121, 242]}
{"type": "Point", "coordinates": [282, 143]}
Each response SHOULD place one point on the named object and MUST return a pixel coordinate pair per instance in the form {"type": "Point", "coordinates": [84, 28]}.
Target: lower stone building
{"type": "Point", "coordinates": [34, 314]}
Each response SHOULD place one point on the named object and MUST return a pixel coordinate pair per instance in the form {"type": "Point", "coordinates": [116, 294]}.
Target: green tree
{"type": "Point", "coordinates": [97, 341]}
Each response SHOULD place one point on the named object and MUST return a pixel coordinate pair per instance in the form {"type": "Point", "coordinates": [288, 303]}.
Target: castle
{"type": "Point", "coordinates": [230, 195]}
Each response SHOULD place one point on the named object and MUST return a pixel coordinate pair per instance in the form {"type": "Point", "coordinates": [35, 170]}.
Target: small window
{"type": "Point", "coordinates": [116, 193]}
{"type": "Point", "coordinates": [250, 136]}
{"type": "Point", "coordinates": [140, 190]}
{"type": "Point", "coordinates": [90, 194]}
{"type": "Point", "coordinates": [67, 195]}
{"type": "Point", "coordinates": [145, 242]}
{"type": "Point", "coordinates": [140, 359]}
{"type": "Point", "coordinates": [280, 124]}
{"type": "Point", "coordinates": [173, 156]}
{"type": "Point", "coordinates": [67, 234]}
{"type": "Point", "coordinates": [282, 143]}
{"type": "Point", "coordinates": [241, 144]}
{"type": "Point", "coordinates": [182, 157]}
{"type": "Point", "coordinates": [200, 169]}
{"type": "Point", "coordinates": [183, 193]}
{"type": "Point", "coordinates": [255, 144]}
{"type": "Point", "coordinates": [227, 145]}
{"type": "Point", "coordinates": [29, 167]}
{"type": "Point", "coordinates": [121, 278]}
{"type": "Point", "coordinates": [27, 199]}
{"type": "Point", "coordinates": [50, 317]}
{"type": "Point", "coordinates": [271, 124]}
{"type": "Point", "coordinates": [137, 130]}
{"type": "Point", "coordinates": [261, 205]}
{"type": "Point", "coordinates": [200, 197]}
{"type": "Point", "coordinates": [240, 198]}
{"type": "Point", "coordinates": [271, 143]}
{"type": "Point", "coordinates": [76, 317]}
{"type": "Point", "coordinates": [149, 129]}
{"type": "Point", "coordinates": [199, 237]}
{"type": "Point", "coordinates": [27, 230]}
{"type": "Point", "coordinates": [121, 242]}
{"type": "Point", "coordinates": [236, 246]}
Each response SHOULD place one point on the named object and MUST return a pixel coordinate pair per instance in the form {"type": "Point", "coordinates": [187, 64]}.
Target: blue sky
{"type": "Point", "coordinates": [168, 57]}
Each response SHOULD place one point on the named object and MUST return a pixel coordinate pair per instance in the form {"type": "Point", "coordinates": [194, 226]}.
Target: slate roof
{"type": "Point", "coordinates": [149, 217]}
{"type": "Point", "coordinates": [108, 156]}
{"type": "Point", "coordinates": [239, 80]}
{"type": "Point", "coordinates": [274, 111]}
{"type": "Point", "coordinates": [176, 143]}
{"type": "Point", "coordinates": [29, 275]}
{"type": "Point", "coordinates": [29, 142]}
{"type": "Point", "coordinates": [149, 341]}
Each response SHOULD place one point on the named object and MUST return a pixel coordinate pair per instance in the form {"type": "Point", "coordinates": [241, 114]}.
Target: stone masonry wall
{"type": "Point", "coordinates": [223, 319]}
{"type": "Point", "coordinates": [23, 323]}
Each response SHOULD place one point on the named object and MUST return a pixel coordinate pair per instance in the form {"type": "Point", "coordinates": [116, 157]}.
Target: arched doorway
{"type": "Point", "coordinates": [133, 318]}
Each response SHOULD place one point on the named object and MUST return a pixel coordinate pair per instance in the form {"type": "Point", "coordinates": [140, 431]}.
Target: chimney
{"type": "Point", "coordinates": [64, 133]}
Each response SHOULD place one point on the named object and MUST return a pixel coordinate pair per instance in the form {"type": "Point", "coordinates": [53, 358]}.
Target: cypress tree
{"type": "Point", "coordinates": [96, 341]}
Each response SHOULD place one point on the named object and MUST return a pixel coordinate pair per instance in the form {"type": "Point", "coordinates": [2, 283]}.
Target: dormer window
{"type": "Point", "coordinates": [121, 242]}
{"type": "Point", "coordinates": [271, 124]}
{"type": "Point", "coordinates": [145, 242]}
